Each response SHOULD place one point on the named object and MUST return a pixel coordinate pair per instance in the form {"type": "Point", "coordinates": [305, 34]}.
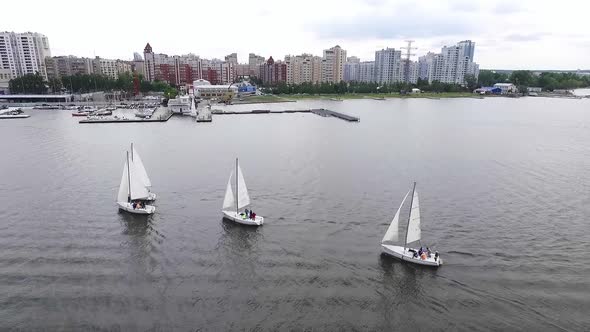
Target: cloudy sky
{"type": "Point", "coordinates": [509, 34]}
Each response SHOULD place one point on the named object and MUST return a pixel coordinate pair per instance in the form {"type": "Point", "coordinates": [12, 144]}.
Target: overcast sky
{"type": "Point", "coordinates": [524, 34]}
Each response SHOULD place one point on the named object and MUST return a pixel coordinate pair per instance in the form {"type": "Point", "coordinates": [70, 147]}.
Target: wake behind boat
{"type": "Point", "coordinates": [240, 201]}
{"type": "Point", "coordinates": [133, 194]}
{"type": "Point", "coordinates": [422, 256]}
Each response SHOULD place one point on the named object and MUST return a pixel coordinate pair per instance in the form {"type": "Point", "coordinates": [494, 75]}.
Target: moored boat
{"type": "Point", "coordinates": [15, 113]}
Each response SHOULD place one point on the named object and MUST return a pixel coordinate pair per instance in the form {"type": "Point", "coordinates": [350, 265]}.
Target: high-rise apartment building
{"type": "Point", "coordinates": [426, 66]}
{"type": "Point", "coordinates": [388, 66]}
{"type": "Point", "coordinates": [24, 53]}
{"type": "Point", "coordinates": [367, 71]}
{"type": "Point", "coordinates": [138, 65]}
{"type": "Point", "coordinates": [333, 64]}
{"type": "Point", "coordinates": [59, 66]}
{"type": "Point", "coordinates": [217, 71]}
{"type": "Point", "coordinates": [233, 58]}
{"type": "Point", "coordinates": [110, 67]}
{"type": "Point", "coordinates": [273, 72]}
{"type": "Point", "coordinates": [352, 69]}
{"type": "Point", "coordinates": [304, 68]}
{"type": "Point", "coordinates": [254, 62]}
{"type": "Point", "coordinates": [452, 65]}
{"type": "Point", "coordinates": [413, 70]}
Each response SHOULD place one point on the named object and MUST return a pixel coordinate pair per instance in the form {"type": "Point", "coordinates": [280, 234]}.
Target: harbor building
{"type": "Point", "coordinates": [205, 90]}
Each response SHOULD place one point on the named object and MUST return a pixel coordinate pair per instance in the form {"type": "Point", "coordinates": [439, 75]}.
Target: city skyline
{"type": "Point", "coordinates": [509, 35]}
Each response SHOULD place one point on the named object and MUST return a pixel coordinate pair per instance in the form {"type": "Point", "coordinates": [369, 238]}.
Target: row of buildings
{"type": "Point", "coordinates": [451, 65]}
{"type": "Point", "coordinates": [60, 66]}
{"type": "Point", "coordinates": [21, 54]}
{"type": "Point", "coordinates": [29, 53]}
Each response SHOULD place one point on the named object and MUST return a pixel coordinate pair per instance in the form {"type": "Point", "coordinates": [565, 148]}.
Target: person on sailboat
{"type": "Point", "coordinates": [247, 213]}
{"type": "Point", "coordinates": [253, 216]}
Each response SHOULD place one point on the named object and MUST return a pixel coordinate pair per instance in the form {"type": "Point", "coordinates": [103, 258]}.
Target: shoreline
{"type": "Point", "coordinates": [376, 96]}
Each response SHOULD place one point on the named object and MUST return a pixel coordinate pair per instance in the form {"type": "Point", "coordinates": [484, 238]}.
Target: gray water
{"type": "Point", "coordinates": [504, 198]}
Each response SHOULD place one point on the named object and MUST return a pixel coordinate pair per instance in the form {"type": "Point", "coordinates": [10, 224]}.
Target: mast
{"type": "Point", "coordinates": [237, 185]}
{"type": "Point", "coordinates": [128, 179]}
{"type": "Point", "coordinates": [409, 216]}
{"type": "Point", "coordinates": [131, 151]}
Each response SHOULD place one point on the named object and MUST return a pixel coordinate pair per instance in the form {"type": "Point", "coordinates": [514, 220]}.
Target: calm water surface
{"type": "Point", "coordinates": [504, 198]}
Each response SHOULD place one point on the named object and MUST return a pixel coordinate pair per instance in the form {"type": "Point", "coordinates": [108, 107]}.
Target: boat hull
{"type": "Point", "coordinates": [19, 116]}
{"type": "Point", "coordinates": [236, 217]}
{"type": "Point", "coordinates": [408, 256]}
{"type": "Point", "coordinates": [149, 209]}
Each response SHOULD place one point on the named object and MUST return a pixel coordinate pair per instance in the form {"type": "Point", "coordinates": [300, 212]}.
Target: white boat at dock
{"type": "Point", "coordinates": [145, 113]}
{"type": "Point", "coordinates": [13, 113]}
{"type": "Point", "coordinates": [204, 114]}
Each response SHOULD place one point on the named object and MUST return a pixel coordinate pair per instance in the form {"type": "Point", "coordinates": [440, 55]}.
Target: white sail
{"type": "Point", "coordinates": [142, 173]}
{"type": "Point", "coordinates": [124, 186]}
{"type": "Point", "coordinates": [392, 234]}
{"type": "Point", "coordinates": [229, 201]}
{"type": "Point", "coordinates": [414, 223]}
{"type": "Point", "coordinates": [138, 188]}
{"type": "Point", "coordinates": [242, 191]}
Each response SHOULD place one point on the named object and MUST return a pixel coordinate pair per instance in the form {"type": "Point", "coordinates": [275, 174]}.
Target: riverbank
{"type": "Point", "coordinates": [336, 97]}
{"type": "Point", "coordinates": [263, 100]}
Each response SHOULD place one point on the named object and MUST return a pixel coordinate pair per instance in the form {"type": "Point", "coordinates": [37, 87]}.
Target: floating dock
{"type": "Point", "coordinates": [319, 111]}
{"type": "Point", "coordinates": [325, 113]}
{"type": "Point", "coordinates": [166, 116]}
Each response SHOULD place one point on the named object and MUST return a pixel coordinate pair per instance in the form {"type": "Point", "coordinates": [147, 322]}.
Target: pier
{"type": "Point", "coordinates": [158, 116]}
{"type": "Point", "coordinates": [165, 115]}
{"type": "Point", "coordinates": [318, 111]}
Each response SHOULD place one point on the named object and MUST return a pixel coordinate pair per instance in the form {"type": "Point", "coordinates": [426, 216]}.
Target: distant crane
{"type": "Point", "coordinates": [409, 55]}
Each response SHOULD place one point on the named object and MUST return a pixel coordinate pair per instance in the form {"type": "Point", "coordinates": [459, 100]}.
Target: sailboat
{"type": "Point", "coordinates": [142, 173]}
{"type": "Point", "coordinates": [413, 234]}
{"type": "Point", "coordinates": [131, 189]}
{"type": "Point", "coordinates": [233, 203]}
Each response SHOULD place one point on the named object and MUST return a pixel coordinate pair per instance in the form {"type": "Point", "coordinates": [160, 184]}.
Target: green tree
{"type": "Point", "coordinates": [490, 77]}
{"type": "Point", "coordinates": [29, 83]}
{"type": "Point", "coordinates": [471, 82]}
{"type": "Point", "coordinates": [55, 85]}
